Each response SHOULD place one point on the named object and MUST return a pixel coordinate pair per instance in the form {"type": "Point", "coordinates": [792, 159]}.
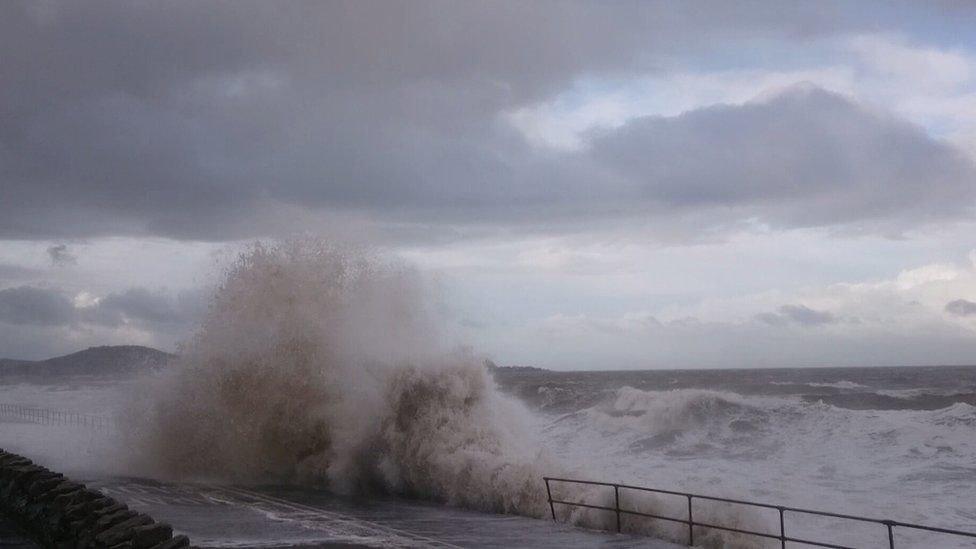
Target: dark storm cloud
{"type": "Point", "coordinates": [961, 307]}
{"type": "Point", "coordinates": [194, 119]}
{"type": "Point", "coordinates": [797, 314]}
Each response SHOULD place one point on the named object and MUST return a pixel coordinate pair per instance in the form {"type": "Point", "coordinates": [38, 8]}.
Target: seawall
{"type": "Point", "coordinates": [59, 513]}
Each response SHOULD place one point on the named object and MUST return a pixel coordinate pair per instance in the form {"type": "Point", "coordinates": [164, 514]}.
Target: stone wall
{"type": "Point", "coordinates": [62, 514]}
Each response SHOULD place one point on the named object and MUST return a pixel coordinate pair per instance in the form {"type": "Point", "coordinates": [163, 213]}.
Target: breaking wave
{"type": "Point", "coordinates": [322, 365]}
{"type": "Point", "coordinates": [757, 447]}
{"type": "Point", "coordinates": [704, 423]}
{"type": "Point", "coordinates": [842, 384]}
{"type": "Point", "coordinates": [687, 422]}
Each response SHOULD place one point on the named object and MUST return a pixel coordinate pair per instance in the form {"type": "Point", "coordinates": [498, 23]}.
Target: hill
{"type": "Point", "coordinates": [105, 361]}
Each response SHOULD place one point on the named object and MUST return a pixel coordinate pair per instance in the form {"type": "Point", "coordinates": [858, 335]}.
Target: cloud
{"type": "Point", "coordinates": [39, 322]}
{"type": "Point", "coordinates": [583, 342]}
{"type": "Point", "coordinates": [797, 314]}
{"type": "Point", "coordinates": [806, 157]}
{"type": "Point", "coordinates": [60, 256]}
{"type": "Point", "coordinates": [881, 321]}
{"type": "Point", "coordinates": [806, 316]}
{"type": "Point", "coordinates": [181, 119]}
{"type": "Point", "coordinates": [9, 271]}
{"type": "Point", "coordinates": [141, 305]}
{"type": "Point", "coordinates": [135, 307]}
{"type": "Point", "coordinates": [961, 307]}
{"type": "Point", "coordinates": [229, 120]}
{"type": "Point", "coordinates": [28, 305]}
{"type": "Point", "coordinates": [937, 68]}
{"type": "Point", "coordinates": [210, 122]}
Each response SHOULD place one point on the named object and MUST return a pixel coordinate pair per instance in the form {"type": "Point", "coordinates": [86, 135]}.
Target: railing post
{"type": "Point", "coordinates": [691, 524]}
{"type": "Point", "coordinates": [549, 494]}
{"type": "Point", "coordinates": [891, 535]}
{"type": "Point", "coordinates": [782, 529]}
{"type": "Point", "coordinates": [616, 504]}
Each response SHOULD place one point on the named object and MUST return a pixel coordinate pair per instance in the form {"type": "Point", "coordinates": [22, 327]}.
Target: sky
{"type": "Point", "coordinates": [587, 185]}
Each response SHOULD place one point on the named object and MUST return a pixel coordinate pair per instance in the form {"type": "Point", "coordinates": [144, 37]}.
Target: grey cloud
{"type": "Point", "coordinates": [736, 345]}
{"type": "Point", "coordinates": [35, 306]}
{"type": "Point", "coordinates": [797, 314]}
{"type": "Point", "coordinates": [40, 342]}
{"type": "Point", "coordinates": [139, 307]}
{"type": "Point", "coordinates": [179, 118]}
{"type": "Point", "coordinates": [961, 307]}
{"type": "Point", "coordinates": [804, 315]}
{"type": "Point", "coordinates": [804, 158]}
{"type": "Point", "coordinates": [142, 305]}
{"type": "Point", "coordinates": [60, 255]}
{"type": "Point", "coordinates": [9, 271]}
{"type": "Point", "coordinates": [773, 319]}
{"type": "Point", "coordinates": [193, 120]}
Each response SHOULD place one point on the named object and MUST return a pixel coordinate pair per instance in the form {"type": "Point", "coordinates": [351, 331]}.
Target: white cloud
{"type": "Point", "coordinates": [931, 86]}
{"type": "Point", "coordinates": [907, 280]}
{"type": "Point", "coordinates": [902, 319]}
{"type": "Point", "coordinates": [84, 300]}
{"type": "Point", "coordinates": [925, 66]}
{"type": "Point", "coordinates": [562, 122]}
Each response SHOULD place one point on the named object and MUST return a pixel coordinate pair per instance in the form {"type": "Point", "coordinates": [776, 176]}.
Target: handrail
{"type": "Point", "coordinates": [691, 523]}
{"type": "Point", "coordinates": [46, 416]}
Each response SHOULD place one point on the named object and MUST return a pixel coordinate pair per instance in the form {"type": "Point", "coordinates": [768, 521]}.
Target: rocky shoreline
{"type": "Point", "coordinates": [59, 513]}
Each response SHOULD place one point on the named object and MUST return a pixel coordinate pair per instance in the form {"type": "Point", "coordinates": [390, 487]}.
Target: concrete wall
{"type": "Point", "coordinates": [60, 513]}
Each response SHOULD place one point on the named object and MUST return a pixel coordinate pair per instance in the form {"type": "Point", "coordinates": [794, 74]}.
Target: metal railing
{"type": "Point", "coordinates": [692, 523]}
{"type": "Point", "coordinates": [45, 416]}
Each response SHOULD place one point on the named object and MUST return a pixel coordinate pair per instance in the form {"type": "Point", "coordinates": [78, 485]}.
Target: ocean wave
{"type": "Point", "coordinates": [842, 384]}
{"type": "Point", "coordinates": [682, 423]}
{"type": "Point", "coordinates": [322, 368]}
{"type": "Point", "coordinates": [320, 365]}
{"type": "Point", "coordinates": [891, 400]}
{"type": "Point", "coordinates": [706, 424]}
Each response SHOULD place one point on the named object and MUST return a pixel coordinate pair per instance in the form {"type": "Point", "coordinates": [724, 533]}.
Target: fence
{"type": "Point", "coordinates": [691, 523]}
{"type": "Point", "coordinates": [46, 416]}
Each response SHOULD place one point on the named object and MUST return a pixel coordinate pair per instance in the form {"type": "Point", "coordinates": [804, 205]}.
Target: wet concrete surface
{"type": "Point", "coordinates": [274, 516]}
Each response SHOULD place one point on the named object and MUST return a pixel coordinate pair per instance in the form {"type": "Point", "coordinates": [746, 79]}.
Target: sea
{"type": "Point", "coordinates": [894, 443]}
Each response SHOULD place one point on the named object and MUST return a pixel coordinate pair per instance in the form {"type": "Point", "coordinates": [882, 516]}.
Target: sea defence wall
{"type": "Point", "coordinates": [57, 512]}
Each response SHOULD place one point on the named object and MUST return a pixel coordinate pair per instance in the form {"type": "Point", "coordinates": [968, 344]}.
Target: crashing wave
{"type": "Point", "coordinates": [323, 365]}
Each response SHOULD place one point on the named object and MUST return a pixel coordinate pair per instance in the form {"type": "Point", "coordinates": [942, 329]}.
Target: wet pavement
{"type": "Point", "coordinates": [223, 516]}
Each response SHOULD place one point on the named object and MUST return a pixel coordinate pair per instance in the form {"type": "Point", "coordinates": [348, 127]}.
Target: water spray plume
{"type": "Point", "coordinates": [319, 364]}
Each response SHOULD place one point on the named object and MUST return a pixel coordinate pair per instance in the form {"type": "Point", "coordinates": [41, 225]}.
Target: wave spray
{"type": "Point", "coordinates": [323, 365]}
